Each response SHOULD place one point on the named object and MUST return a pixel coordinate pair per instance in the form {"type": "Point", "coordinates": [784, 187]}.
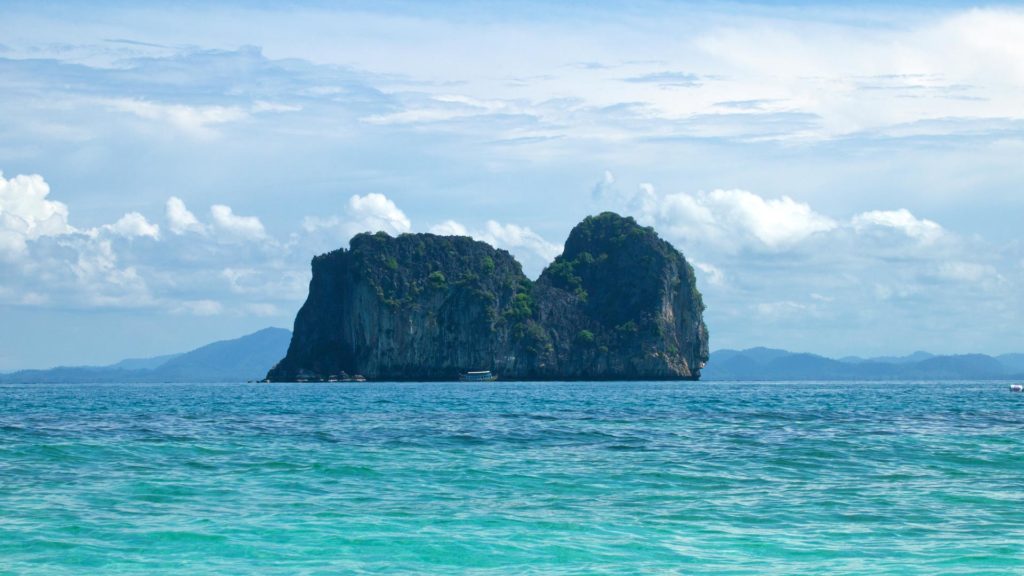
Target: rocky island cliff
{"type": "Point", "coordinates": [618, 304]}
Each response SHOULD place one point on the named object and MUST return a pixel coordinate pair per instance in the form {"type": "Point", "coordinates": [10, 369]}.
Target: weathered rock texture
{"type": "Point", "coordinates": [619, 303]}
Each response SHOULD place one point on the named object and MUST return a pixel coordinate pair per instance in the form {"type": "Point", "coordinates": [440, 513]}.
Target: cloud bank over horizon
{"type": "Point", "coordinates": [773, 264]}
{"type": "Point", "coordinates": [846, 180]}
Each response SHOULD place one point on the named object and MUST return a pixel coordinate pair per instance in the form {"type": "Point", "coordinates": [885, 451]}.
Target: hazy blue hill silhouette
{"type": "Point", "coordinates": [806, 367]}
{"type": "Point", "coordinates": [774, 364]}
{"type": "Point", "coordinates": [142, 363]}
{"type": "Point", "coordinates": [759, 354]}
{"type": "Point", "coordinates": [960, 366]}
{"type": "Point", "coordinates": [1013, 362]}
{"type": "Point", "coordinates": [249, 358]}
{"type": "Point", "coordinates": [240, 359]}
{"type": "Point", "coordinates": [908, 359]}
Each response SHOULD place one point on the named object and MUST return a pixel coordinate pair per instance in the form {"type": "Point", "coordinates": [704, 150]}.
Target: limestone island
{"type": "Point", "coordinates": [620, 303]}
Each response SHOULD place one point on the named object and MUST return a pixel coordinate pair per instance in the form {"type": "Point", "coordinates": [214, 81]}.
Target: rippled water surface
{"type": "Point", "coordinates": [554, 478]}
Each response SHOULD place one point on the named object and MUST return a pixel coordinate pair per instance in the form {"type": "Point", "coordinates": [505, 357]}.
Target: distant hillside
{"type": "Point", "coordinates": [908, 359]}
{"type": "Point", "coordinates": [241, 359]}
{"type": "Point", "coordinates": [249, 358]}
{"type": "Point", "coordinates": [143, 363]}
{"type": "Point", "coordinates": [1014, 362]}
{"type": "Point", "coordinates": [771, 364]}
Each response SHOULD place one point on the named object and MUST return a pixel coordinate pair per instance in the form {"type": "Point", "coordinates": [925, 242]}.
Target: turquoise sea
{"type": "Point", "coordinates": [512, 478]}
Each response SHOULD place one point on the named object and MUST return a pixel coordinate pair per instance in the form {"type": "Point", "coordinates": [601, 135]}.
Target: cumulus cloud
{"type": "Point", "coordinates": [902, 221]}
{"type": "Point", "coordinates": [179, 219]}
{"type": "Point", "coordinates": [44, 261]}
{"type": "Point", "coordinates": [730, 219]}
{"type": "Point", "coordinates": [375, 212]}
{"type": "Point", "coordinates": [863, 273]}
{"type": "Point", "coordinates": [449, 228]}
{"type": "Point", "coordinates": [530, 247]}
{"type": "Point", "coordinates": [512, 237]}
{"type": "Point", "coordinates": [100, 280]}
{"type": "Point", "coordinates": [248, 227]}
{"type": "Point", "coordinates": [755, 256]}
{"type": "Point", "coordinates": [133, 225]}
{"type": "Point", "coordinates": [48, 257]}
{"type": "Point", "coordinates": [26, 214]}
{"type": "Point", "coordinates": [369, 213]}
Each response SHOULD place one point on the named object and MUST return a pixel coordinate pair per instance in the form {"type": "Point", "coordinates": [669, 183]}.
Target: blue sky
{"type": "Point", "coordinates": [846, 178]}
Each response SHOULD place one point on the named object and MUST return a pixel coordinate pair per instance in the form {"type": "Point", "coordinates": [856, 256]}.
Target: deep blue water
{"type": "Point", "coordinates": [547, 478]}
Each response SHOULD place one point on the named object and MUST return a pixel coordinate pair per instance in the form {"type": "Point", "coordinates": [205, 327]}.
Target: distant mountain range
{"type": "Point", "coordinates": [241, 359]}
{"type": "Point", "coordinates": [773, 364]}
{"type": "Point", "coordinates": [251, 356]}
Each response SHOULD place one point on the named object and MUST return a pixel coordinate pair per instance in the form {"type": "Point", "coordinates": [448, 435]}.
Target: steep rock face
{"type": "Point", "coordinates": [418, 306]}
{"type": "Point", "coordinates": [620, 303]}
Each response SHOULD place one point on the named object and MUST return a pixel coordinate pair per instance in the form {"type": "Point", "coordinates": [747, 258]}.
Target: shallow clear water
{"type": "Point", "coordinates": [553, 478]}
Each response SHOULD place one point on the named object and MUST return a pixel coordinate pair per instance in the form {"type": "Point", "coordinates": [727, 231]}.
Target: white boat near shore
{"type": "Point", "coordinates": [478, 376]}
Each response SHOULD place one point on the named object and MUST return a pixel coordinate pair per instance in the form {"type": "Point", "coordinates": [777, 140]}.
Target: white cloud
{"type": "Point", "coordinates": [712, 274]}
{"type": "Point", "coordinates": [198, 307]}
{"type": "Point", "coordinates": [783, 309]}
{"type": "Point", "coordinates": [263, 106]}
{"type": "Point", "coordinates": [729, 219]}
{"type": "Point", "coordinates": [180, 220]}
{"type": "Point", "coordinates": [603, 188]}
{"type": "Point", "coordinates": [895, 291]}
{"type": "Point", "coordinates": [100, 281]}
{"type": "Point", "coordinates": [957, 64]}
{"type": "Point", "coordinates": [248, 227]}
{"type": "Point", "coordinates": [313, 224]}
{"type": "Point", "coordinates": [446, 107]}
{"type": "Point", "coordinates": [900, 220]}
{"type": "Point", "coordinates": [374, 212]}
{"type": "Point", "coordinates": [370, 213]}
{"type": "Point", "coordinates": [237, 277]}
{"type": "Point", "coordinates": [193, 120]}
{"type": "Point", "coordinates": [133, 225]}
{"type": "Point", "coordinates": [511, 236]}
{"type": "Point", "coordinates": [449, 228]}
{"type": "Point", "coordinates": [519, 240]}
{"type": "Point", "coordinates": [984, 42]}
{"type": "Point", "coordinates": [26, 214]}
{"type": "Point", "coordinates": [776, 223]}
{"type": "Point", "coordinates": [970, 272]}
{"type": "Point", "coordinates": [262, 309]}
{"type": "Point", "coordinates": [49, 257]}
{"type": "Point", "coordinates": [265, 281]}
